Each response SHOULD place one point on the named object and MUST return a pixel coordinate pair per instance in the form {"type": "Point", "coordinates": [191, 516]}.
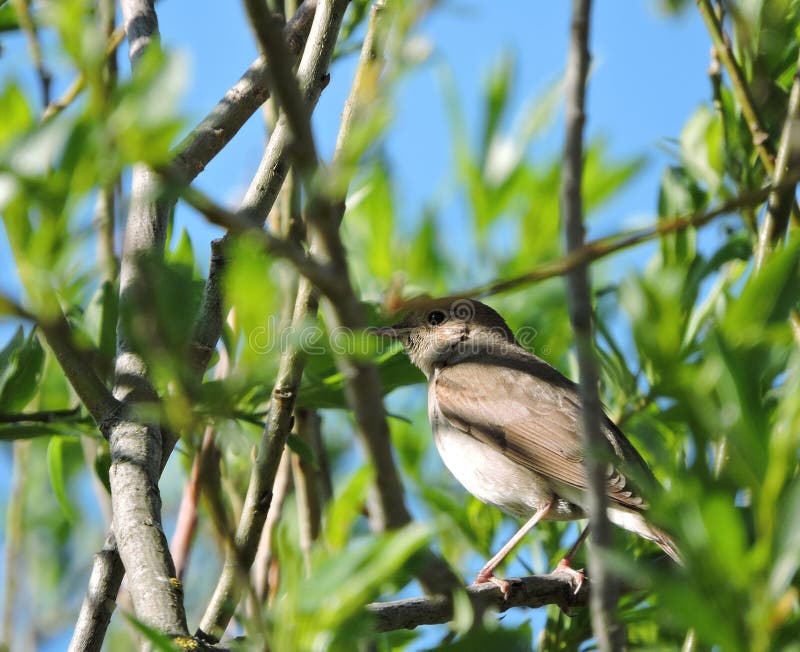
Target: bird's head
{"type": "Point", "coordinates": [438, 331]}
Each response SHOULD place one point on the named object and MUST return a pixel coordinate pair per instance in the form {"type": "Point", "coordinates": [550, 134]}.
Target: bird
{"type": "Point", "coordinates": [506, 424]}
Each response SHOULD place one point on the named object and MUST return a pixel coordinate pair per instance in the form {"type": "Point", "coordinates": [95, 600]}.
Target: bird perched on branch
{"type": "Point", "coordinates": [506, 425]}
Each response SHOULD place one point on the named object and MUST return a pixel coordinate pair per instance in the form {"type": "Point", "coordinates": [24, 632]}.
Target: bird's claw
{"type": "Point", "coordinates": [503, 585]}
{"type": "Point", "coordinates": [576, 577]}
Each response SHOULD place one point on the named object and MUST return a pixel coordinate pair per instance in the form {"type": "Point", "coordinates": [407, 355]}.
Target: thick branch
{"type": "Point", "coordinates": [533, 592]}
{"type": "Point", "coordinates": [607, 631]}
{"type": "Point", "coordinates": [191, 157]}
{"type": "Point", "coordinates": [136, 445]}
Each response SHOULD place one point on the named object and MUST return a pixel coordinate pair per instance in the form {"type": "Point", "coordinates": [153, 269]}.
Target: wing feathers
{"type": "Point", "coordinates": [533, 415]}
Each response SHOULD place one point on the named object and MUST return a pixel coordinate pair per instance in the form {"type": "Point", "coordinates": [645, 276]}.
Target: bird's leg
{"type": "Point", "coordinates": [486, 574]}
{"type": "Point", "coordinates": [564, 566]}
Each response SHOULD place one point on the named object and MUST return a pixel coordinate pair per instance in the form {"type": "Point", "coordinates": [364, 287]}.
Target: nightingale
{"type": "Point", "coordinates": [506, 424]}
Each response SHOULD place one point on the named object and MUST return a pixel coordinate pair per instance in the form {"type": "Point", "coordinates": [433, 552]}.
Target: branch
{"type": "Point", "coordinates": [190, 158]}
{"type": "Point", "coordinates": [741, 90]}
{"type": "Point", "coordinates": [607, 631]}
{"type": "Point", "coordinates": [44, 416]}
{"type": "Point", "coordinates": [221, 607]}
{"type": "Point", "coordinates": [596, 249]}
{"type": "Point", "coordinates": [25, 19]}
{"type": "Point", "coordinates": [91, 390]}
{"type": "Point", "coordinates": [780, 202]}
{"type": "Point", "coordinates": [136, 445]}
{"type": "Point", "coordinates": [533, 592]}
{"type": "Point", "coordinates": [239, 103]}
{"type": "Point", "coordinates": [362, 383]}
{"type": "Point", "coordinates": [79, 83]}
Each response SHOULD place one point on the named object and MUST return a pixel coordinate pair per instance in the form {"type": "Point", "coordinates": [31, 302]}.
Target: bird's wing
{"type": "Point", "coordinates": [533, 415]}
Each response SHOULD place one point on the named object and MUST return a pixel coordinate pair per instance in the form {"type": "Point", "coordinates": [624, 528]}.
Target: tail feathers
{"type": "Point", "coordinates": [634, 522]}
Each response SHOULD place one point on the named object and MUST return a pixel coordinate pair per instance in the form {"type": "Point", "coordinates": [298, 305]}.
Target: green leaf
{"type": "Point", "coordinates": [701, 148]}
{"type": "Point", "coordinates": [100, 320]}
{"type": "Point", "coordinates": [346, 508]}
{"type": "Point", "coordinates": [17, 114]}
{"type": "Point", "coordinates": [299, 446]}
{"type": "Point", "coordinates": [21, 363]}
{"type": "Point", "coordinates": [496, 88]}
{"type": "Point", "coordinates": [55, 467]}
{"type": "Point", "coordinates": [767, 297]}
{"type": "Point", "coordinates": [159, 641]}
{"type": "Point", "coordinates": [8, 18]}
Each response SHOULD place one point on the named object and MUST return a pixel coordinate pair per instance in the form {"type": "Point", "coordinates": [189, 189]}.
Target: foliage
{"type": "Point", "coordinates": [700, 365]}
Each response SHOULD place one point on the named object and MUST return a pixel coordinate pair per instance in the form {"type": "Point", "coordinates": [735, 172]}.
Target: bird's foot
{"type": "Point", "coordinates": [504, 585]}
{"type": "Point", "coordinates": [576, 577]}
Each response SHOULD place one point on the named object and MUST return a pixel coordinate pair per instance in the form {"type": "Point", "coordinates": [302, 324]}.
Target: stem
{"type": "Point", "coordinates": [607, 631]}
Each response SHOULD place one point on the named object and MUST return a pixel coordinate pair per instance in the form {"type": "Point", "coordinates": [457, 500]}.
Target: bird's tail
{"type": "Point", "coordinates": [635, 522]}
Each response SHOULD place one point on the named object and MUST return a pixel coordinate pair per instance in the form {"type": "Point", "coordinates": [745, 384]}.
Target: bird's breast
{"type": "Point", "coordinates": [487, 473]}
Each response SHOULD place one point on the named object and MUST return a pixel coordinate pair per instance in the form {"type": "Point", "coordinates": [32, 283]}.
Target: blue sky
{"type": "Point", "coordinates": [649, 75]}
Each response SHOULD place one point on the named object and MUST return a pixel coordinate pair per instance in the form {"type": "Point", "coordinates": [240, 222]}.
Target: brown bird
{"type": "Point", "coordinates": [506, 425]}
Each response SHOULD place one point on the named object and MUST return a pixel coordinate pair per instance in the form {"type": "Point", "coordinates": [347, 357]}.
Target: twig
{"type": "Point", "coordinates": [13, 539]}
{"type": "Point", "coordinates": [186, 521]}
{"type": "Point", "coordinates": [533, 592]}
{"type": "Point", "coordinates": [265, 569]}
{"type": "Point", "coordinates": [307, 483]}
{"type": "Point", "coordinates": [596, 249]}
{"type": "Point", "coordinates": [779, 205]}
{"type": "Point", "coordinates": [23, 9]}
{"type": "Point", "coordinates": [313, 66]}
{"type": "Point", "coordinates": [607, 631]}
{"type": "Point", "coordinates": [79, 83]}
{"type": "Point", "coordinates": [44, 416]}
{"type": "Point", "coordinates": [363, 387]}
{"type": "Point", "coordinates": [760, 136]}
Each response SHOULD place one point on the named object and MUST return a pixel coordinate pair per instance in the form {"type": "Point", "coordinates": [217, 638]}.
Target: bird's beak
{"type": "Point", "coordinates": [392, 332]}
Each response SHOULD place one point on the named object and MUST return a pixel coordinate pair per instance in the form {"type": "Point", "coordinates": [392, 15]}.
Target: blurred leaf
{"type": "Point", "coordinates": [8, 18]}
{"type": "Point", "coordinates": [55, 467]}
{"type": "Point", "coordinates": [497, 87]}
{"type": "Point", "coordinates": [14, 107]}
{"type": "Point", "coordinates": [301, 448]}
{"type": "Point", "coordinates": [21, 363]}
{"type": "Point", "coordinates": [346, 508]}
{"type": "Point", "coordinates": [701, 147]}
{"type": "Point", "coordinates": [158, 641]}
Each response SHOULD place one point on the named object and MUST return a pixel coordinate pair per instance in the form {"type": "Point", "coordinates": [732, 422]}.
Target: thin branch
{"type": "Point", "coordinates": [780, 202]}
{"type": "Point", "coordinates": [91, 390]}
{"type": "Point", "coordinates": [601, 247]}
{"type": "Point", "coordinates": [265, 566]}
{"type": "Point", "coordinates": [607, 631]}
{"type": "Point", "coordinates": [761, 141]}
{"type": "Point", "coordinates": [23, 9]}
{"type": "Point", "coordinates": [79, 83]}
{"type": "Point", "coordinates": [307, 483]}
{"type": "Point", "coordinates": [533, 592]}
{"type": "Point", "coordinates": [44, 416]}
{"type": "Point", "coordinates": [100, 600]}
{"type": "Point", "coordinates": [313, 67]}
{"type": "Point", "coordinates": [14, 525]}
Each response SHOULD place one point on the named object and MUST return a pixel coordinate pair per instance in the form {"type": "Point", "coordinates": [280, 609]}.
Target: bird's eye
{"type": "Point", "coordinates": [436, 317]}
